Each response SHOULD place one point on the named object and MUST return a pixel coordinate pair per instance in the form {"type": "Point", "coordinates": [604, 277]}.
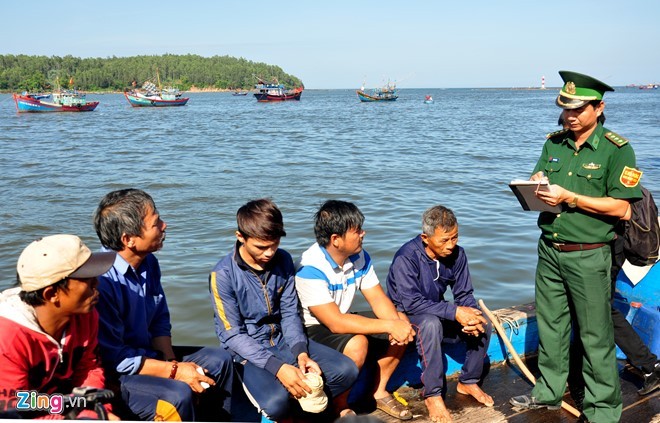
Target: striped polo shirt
{"type": "Point", "coordinates": [319, 280]}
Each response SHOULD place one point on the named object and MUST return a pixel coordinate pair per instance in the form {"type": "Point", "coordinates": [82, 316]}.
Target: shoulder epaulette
{"type": "Point", "coordinates": [616, 139]}
{"type": "Point", "coordinates": [554, 134]}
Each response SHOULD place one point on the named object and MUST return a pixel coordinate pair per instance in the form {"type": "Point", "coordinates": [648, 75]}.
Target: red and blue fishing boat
{"type": "Point", "coordinates": [276, 92]}
{"type": "Point", "coordinates": [62, 101]}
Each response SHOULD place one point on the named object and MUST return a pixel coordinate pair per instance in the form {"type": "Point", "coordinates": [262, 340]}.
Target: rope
{"type": "Point", "coordinates": [516, 357]}
{"type": "Point", "coordinates": [511, 321]}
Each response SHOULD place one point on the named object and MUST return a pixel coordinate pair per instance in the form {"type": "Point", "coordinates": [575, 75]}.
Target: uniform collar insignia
{"type": "Point", "coordinates": [591, 166]}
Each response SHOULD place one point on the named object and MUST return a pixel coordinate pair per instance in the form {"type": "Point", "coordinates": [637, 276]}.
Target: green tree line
{"type": "Point", "coordinates": [39, 73]}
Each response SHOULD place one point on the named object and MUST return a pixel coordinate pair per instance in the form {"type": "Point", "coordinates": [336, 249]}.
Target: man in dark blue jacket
{"type": "Point", "coordinates": [420, 274]}
{"type": "Point", "coordinates": [135, 336]}
{"type": "Point", "coordinates": [257, 320]}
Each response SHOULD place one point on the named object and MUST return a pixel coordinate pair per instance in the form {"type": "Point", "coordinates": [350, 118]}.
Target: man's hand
{"type": "Point", "coordinates": [401, 332]}
{"type": "Point", "coordinates": [293, 380]}
{"type": "Point", "coordinates": [187, 372]}
{"type": "Point", "coordinates": [403, 316]}
{"type": "Point", "coordinates": [471, 319]}
{"type": "Point", "coordinates": [307, 365]}
{"type": "Point", "coordinates": [555, 195]}
{"type": "Point", "coordinates": [538, 176]}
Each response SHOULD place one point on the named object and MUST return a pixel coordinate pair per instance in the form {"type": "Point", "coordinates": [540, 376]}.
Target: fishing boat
{"type": "Point", "coordinates": [239, 93]}
{"type": "Point", "coordinates": [428, 100]}
{"type": "Point", "coordinates": [649, 86]}
{"type": "Point", "coordinates": [154, 95]}
{"type": "Point", "coordinates": [160, 99]}
{"type": "Point", "coordinates": [275, 91]}
{"type": "Point", "coordinates": [60, 101]}
{"type": "Point", "coordinates": [386, 93]}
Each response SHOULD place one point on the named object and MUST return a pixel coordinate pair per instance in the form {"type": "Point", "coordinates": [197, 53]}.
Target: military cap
{"type": "Point", "coordinates": [579, 89]}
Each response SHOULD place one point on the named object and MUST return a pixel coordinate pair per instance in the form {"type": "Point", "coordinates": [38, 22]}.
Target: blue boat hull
{"type": "Point", "coordinates": [645, 319]}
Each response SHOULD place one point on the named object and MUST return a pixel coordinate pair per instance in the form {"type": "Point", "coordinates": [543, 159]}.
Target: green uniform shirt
{"type": "Point", "coordinates": [603, 167]}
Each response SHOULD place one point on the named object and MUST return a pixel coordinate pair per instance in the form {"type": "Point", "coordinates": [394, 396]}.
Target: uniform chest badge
{"type": "Point", "coordinates": [553, 160]}
{"type": "Point", "coordinates": [591, 166]}
{"type": "Point", "coordinates": [630, 177]}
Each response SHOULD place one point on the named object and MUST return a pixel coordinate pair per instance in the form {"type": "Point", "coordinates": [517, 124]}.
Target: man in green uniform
{"type": "Point", "coordinates": [592, 175]}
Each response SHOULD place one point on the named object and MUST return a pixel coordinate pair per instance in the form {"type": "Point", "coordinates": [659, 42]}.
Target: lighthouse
{"type": "Point", "coordinates": [543, 82]}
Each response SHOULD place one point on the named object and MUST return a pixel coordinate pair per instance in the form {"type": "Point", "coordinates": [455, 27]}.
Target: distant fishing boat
{"type": "Point", "coordinates": [152, 95]}
{"type": "Point", "coordinates": [275, 92]}
{"type": "Point", "coordinates": [160, 99]}
{"type": "Point", "coordinates": [60, 101]}
{"type": "Point", "coordinates": [386, 93]}
{"type": "Point", "coordinates": [649, 87]}
{"type": "Point", "coordinates": [239, 93]}
{"type": "Point", "coordinates": [428, 100]}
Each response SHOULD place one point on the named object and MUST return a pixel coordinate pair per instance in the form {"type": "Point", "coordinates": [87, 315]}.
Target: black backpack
{"type": "Point", "coordinates": [642, 232]}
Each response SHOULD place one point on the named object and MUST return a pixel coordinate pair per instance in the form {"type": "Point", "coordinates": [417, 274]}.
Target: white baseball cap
{"type": "Point", "coordinates": [50, 259]}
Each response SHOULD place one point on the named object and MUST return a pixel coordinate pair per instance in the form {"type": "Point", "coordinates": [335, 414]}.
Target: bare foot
{"type": "Point", "coordinates": [474, 390]}
{"type": "Point", "coordinates": [438, 413]}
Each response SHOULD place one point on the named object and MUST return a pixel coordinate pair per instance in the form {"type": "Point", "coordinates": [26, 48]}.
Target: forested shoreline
{"type": "Point", "coordinates": [43, 73]}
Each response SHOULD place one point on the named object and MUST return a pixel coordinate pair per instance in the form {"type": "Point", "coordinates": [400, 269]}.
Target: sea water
{"type": "Point", "coordinates": [203, 161]}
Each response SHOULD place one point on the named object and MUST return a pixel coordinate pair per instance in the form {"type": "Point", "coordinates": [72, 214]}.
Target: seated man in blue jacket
{"type": "Point", "coordinates": [257, 320]}
{"type": "Point", "coordinates": [135, 329]}
{"type": "Point", "coordinates": [421, 272]}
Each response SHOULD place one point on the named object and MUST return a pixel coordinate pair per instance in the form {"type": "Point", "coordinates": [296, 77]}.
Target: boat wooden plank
{"type": "Point", "coordinates": [504, 381]}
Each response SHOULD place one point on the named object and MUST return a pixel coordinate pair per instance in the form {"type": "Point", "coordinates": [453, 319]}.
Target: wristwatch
{"type": "Point", "coordinates": [573, 203]}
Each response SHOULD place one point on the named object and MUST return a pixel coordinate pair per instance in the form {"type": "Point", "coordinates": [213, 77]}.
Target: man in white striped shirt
{"type": "Point", "coordinates": [329, 274]}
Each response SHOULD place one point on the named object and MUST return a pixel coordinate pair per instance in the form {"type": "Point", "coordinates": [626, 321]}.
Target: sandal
{"type": "Point", "coordinates": [394, 408]}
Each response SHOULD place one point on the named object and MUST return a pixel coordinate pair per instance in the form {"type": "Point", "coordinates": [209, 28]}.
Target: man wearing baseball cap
{"type": "Point", "coordinates": [48, 323]}
{"type": "Point", "coordinates": [593, 177]}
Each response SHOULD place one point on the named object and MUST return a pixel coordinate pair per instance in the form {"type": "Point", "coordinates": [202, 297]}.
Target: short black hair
{"type": "Point", "coordinates": [601, 118]}
{"type": "Point", "coordinates": [36, 298]}
{"type": "Point", "coordinates": [336, 217]}
{"type": "Point", "coordinates": [260, 219]}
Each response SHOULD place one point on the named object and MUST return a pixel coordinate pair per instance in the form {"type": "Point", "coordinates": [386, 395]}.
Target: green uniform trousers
{"type": "Point", "coordinates": [577, 280]}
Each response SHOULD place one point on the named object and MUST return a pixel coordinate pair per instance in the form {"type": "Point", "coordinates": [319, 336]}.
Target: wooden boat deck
{"type": "Point", "coordinates": [505, 381]}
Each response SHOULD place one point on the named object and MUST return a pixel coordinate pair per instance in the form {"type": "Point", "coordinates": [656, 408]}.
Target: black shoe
{"type": "Point", "coordinates": [527, 402]}
{"type": "Point", "coordinates": [651, 381]}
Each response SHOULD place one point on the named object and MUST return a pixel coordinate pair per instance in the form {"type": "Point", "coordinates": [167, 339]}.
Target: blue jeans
{"type": "Point", "coordinates": [432, 331]}
{"type": "Point", "coordinates": [274, 401]}
{"type": "Point", "coordinates": [150, 397]}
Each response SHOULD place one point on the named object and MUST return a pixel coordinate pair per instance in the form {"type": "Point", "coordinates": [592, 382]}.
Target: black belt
{"type": "Point", "coordinates": [565, 247]}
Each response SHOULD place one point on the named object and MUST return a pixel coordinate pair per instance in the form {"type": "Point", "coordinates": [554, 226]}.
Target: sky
{"type": "Point", "coordinates": [341, 44]}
